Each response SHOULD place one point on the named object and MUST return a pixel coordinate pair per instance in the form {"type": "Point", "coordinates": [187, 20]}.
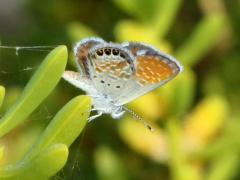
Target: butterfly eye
{"type": "Point", "coordinates": [100, 52]}
{"type": "Point", "coordinates": [115, 52]}
{"type": "Point", "coordinates": [107, 51]}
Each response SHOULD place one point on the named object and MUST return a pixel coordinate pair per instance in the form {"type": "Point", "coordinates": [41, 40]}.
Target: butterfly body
{"type": "Point", "coordinates": [115, 74]}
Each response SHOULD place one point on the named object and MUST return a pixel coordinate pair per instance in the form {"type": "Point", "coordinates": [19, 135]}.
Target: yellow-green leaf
{"type": "Point", "coordinates": [38, 88]}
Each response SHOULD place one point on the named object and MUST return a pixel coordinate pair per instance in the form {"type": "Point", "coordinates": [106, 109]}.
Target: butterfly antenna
{"type": "Point", "coordinates": [137, 117]}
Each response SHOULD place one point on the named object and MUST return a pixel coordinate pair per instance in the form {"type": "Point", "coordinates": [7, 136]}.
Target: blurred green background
{"type": "Point", "coordinates": [196, 116]}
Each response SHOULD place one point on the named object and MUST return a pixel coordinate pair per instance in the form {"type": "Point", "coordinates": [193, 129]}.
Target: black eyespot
{"type": "Point", "coordinates": [107, 51]}
{"type": "Point", "coordinates": [122, 55]}
{"type": "Point", "coordinates": [117, 86]}
{"type": "Point", "coordinates": [94, 76]}
{"type": "Point", "coordinates": [100, 52]}
{"type": "Point", "coordinates": [102, 81]}
{"type": "Point", "coordinates": [115, 52]}
{"type": "Point", "coordinates": [108, 84]}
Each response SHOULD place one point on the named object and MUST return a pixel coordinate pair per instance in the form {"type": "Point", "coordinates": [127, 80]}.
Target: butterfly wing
{"type": "Point", "coordinates": [79, 81]}
{"type": "Point", "coordinates": [120, 72]}
{"type": "Point", "coordinates": [111, 67]}
{"type": "Point", "coordinates": [153, 69]}
{"type": "Point", "coordinates": [82, 79]}
{"type": "Point", "coordinates": [81, 51]}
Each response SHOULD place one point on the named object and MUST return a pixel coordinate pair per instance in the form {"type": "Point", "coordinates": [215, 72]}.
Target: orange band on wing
{"type": "Point", "coordinates": [151, 70]}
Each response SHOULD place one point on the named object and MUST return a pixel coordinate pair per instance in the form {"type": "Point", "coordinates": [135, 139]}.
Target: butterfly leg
{"type": "Point", "coordinates": [95, 116]}
{"type": "Point", "coordinates": [93, 109]}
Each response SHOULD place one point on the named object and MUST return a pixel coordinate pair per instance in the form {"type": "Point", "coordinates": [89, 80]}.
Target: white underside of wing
{"type": "Point", "coordinates": [79, 81]}
{"type": "Point", "coordinates": [133, 90]}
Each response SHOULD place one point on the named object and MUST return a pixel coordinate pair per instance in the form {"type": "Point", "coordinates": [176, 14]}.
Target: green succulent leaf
{"type": "Point", "coordinates": [66, 125]}
{"type": "Point", "coordinates": [40, 85]}
{"type": "Point", "coordinates": [2, 95]}
{"type": "Point", "coordinates": [50, 152]}
{"type": "Point", "coordinates": [43, 166]}
{"type": "Point", "coordinates": [54, 158]}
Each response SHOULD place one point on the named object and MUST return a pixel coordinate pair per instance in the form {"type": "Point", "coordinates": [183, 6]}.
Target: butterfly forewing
{"type": "Point", "coordinates": [151, 70]}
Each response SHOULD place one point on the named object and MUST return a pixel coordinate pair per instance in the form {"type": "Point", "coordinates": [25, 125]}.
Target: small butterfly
{"type": "Point", "coordinates": [115, 74]}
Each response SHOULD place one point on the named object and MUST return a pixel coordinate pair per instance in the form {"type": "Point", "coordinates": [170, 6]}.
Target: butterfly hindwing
{"type": "Point", "coordinates": [81, 52]}
{"type": "Point", "coordinates": [111, 68]}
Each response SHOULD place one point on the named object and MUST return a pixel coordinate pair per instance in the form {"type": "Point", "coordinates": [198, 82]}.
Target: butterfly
{"type": "Point", "coordinates": [115, 74]}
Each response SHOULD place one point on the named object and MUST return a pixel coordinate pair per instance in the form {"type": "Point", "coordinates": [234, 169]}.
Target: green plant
{"type": "Point", "coordinates": [50, 152]}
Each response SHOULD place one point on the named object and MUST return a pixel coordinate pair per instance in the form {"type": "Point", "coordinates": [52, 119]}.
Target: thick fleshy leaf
{"type": "Point", "coordinates": [66, 125]}
{"type": "Point", "coordinates": [43, 166]}
{"type": "Point", "coordinates": [38, 88]}
{"type": "Point", "coordinates": [50, 152]}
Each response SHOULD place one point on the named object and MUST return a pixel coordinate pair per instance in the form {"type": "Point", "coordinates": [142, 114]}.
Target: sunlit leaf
{"type": "Point", "coordinates": [38, 88]}
{"type": "Point", "coordinates": [66, 125]}
{"type": "Point", "coordinates": [43, 166]}
{"type": "Point", "coordinates": [50, 152]}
